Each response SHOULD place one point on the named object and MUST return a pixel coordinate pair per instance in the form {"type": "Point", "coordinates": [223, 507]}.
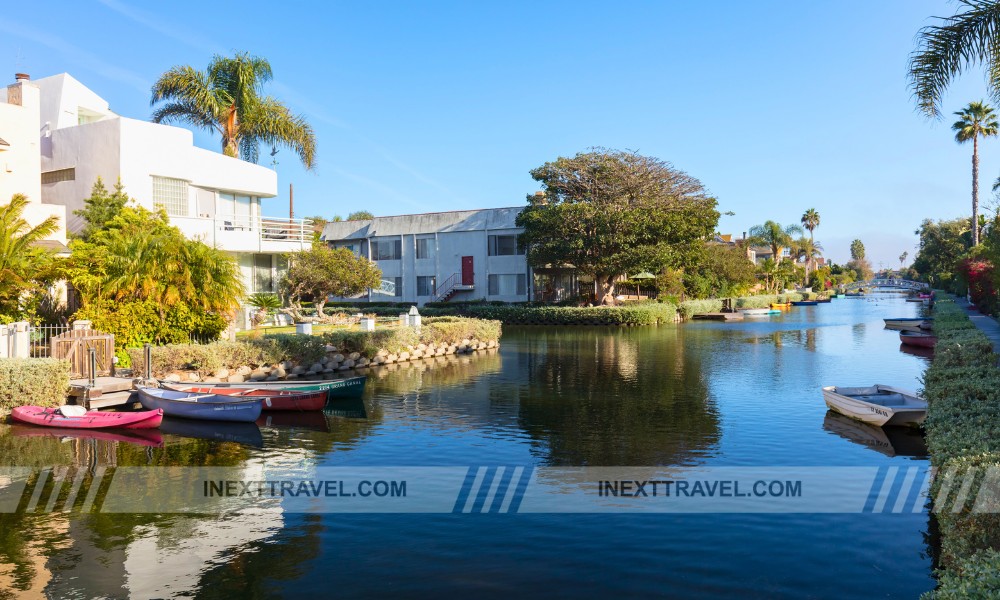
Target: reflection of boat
{"type": "Point", "coordinates": [805, 303]}
{"type": "Point", "coordinates": [891, 441]}
{"type": "Point", "coordinates": [909, 323]}
{"type": "Point", "coordinates": [914, 299]}
{"type": "Point", "coordinates": [917, 351]}
{"type": "Point", "coordinates": [755, 312]}
{"type": "Point", "coordinates": [353, 408]}
{"type": "Point", "coordinates": [313, 420]}
{"type": "Point", "coordinates": [774, 311]}
{"type": "Point", "coordinates": [247, 434]}
{"type": "Point", "coordinates": [781, 305]}
{"type": "Point", "coordinates": [271, 399]}
{"type": "Point", "coordinates": [913, 338]}
{"type": "Point", "coordinates": [94, 419]}
{"type": "Point", "coordinates": [877, 404]}
{"type": "Point", "coordinates": [335, 388]}
{"type": "Point", "coordinates": [209, 407]}
{"type": "Point", "coordinates": [139, 437]}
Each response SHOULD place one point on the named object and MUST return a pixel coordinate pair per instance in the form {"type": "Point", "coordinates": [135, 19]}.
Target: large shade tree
{"type": "Point", "coordinates": [228, 98]}
{"type": "Point", "coordinates": [611, 213]}
{"type": "Point", "coordinates": [976, 120]}
{"type": "Point", "coordinates": [774, 236]}
{"type": "Point", "coordinates": [321, 272]}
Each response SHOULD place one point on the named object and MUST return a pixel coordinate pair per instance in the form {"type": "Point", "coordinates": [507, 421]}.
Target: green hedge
{"type": "Point", "coordinates": [33, 381]}
{"type": "Point", "coordinates": [305, 349]}
{"type": "Point", "coordinates": [633, 314]}
{"type": "Point", "coordinates": [962, 388]}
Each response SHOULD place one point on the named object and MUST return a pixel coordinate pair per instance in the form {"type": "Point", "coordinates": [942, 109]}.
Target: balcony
{"type": "Point", "coordinates": [248, 234]}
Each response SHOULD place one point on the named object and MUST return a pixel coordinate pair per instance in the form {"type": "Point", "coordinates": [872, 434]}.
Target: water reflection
{"type": "Point", "coordinates": [890, 441]}
{"type": "Point", "coordinates": [247, 434]}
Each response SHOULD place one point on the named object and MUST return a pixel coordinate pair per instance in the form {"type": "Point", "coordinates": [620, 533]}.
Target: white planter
{"type": "Point", "coordinates": [367, 324]}
{"type": "Point", "coordinates": [304, 328]}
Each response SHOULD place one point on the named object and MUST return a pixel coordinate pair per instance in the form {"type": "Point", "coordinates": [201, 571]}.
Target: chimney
{"type": "Point", "coordinates": [22, 77]}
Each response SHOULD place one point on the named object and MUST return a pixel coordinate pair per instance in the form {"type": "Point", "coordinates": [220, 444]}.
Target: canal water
{"type": "Point", "coordinates": [699, 394]}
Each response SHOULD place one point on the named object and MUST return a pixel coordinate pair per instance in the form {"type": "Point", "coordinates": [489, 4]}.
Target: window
{"type": "Point", "coordinates": [426, 286]}
{"type": "Point", "coordinates": [263, 277]}
{"type": "Point", "coordinates": [237, 211]}
{"type": "Point", "coordinates": [60, 175]}
{"type": "Point", "coordinates": [387, 250]}
{"type": "Point", "coordinates": [507, 285]}
{"type": "Point", "coordinates": [504, 245]}
{"type": "Point", "coordinates": [425, 248]}
{"type": "Point", "coordinates": [390, 287]}
{"type": "Point", "coordinates": [171, 194]}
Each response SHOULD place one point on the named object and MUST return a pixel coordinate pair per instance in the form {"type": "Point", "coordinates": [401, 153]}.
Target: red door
{"type": "Point", "coordinates": [468, 275]}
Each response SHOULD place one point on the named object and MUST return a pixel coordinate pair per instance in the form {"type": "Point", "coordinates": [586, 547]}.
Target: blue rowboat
{"type": "Point", "coordinates": [805, 303]}
{"type": "Point", "coordinates": [207, 407]}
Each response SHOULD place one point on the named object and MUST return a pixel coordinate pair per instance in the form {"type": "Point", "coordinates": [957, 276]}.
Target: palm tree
{"type": "Point", "coordinates": [808, 249]}
{"type": "Point", "coordinates": [774, 236]}
{"type": "Point", "coordinates": [227, 98]}
{"type": "Point", "coordinates": [21, 265]}
{"type": "Point", "coordinates": [975, 120]}
{"type": "Point", "coordinates": [947, 50]}
{"type": "Point", "coordinates": [902, 259]}
{"type": "Point", "coordinates": [810, 220]}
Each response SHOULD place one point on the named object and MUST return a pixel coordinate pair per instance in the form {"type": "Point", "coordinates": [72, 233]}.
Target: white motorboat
{"type": "Point", "coordinates": [877, 405]}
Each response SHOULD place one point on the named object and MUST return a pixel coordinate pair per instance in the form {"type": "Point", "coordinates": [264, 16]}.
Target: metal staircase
{"type": "Point", "coordinates": [450, 287]}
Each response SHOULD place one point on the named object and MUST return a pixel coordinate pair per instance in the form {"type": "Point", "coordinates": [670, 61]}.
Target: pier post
{"type": "Point", "coordinates": [147, 353]}
{"type": "Point", "coordinates": [92, 376]}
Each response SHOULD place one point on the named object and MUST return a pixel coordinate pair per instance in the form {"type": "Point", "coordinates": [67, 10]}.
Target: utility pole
{"type": "Point", "coordinates": [291, 202]}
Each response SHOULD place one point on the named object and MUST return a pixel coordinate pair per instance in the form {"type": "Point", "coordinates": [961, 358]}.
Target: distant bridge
{"type": "Point", "coordinates": [887, 283]}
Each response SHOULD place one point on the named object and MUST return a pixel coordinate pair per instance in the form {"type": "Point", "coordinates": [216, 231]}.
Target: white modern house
{"type": "Point", "coordinates": [209, 196]}
{"type": "Point", "coordinates": [458, 255]}
{"type": "Point", "coordinates": [20, 163]}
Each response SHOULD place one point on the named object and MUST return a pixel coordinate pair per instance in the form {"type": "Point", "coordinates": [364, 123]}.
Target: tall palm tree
{"type": "Point", "coordinates": [807, 249]}
{"type": "Point", "coordinates": [957, 44]}
{"type": "Point", "coordinates": [810, 220]}
{"type": "Point", "coordinates": [975, 120]}
{"type": "Point", "coordinates": [21, 265]}
{"type": "Point", "coordinates": [227, 98]}
{"type": "Point", "coordinates": [774, 236]}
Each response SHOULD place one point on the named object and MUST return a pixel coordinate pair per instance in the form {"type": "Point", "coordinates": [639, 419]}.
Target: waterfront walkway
{"type": "Point", "coordinates": [987, 324]}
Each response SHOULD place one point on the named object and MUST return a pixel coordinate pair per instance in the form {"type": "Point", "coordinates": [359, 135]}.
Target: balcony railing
{"type": "Point", "coordinates": [241, 233]}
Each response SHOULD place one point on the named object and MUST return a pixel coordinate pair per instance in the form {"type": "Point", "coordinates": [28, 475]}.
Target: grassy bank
{"type": "Point", "coordinates": [962, 387]}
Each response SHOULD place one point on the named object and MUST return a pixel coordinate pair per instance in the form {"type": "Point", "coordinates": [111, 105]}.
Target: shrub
{"type": "Point", "coordinates": [690, 308]}
{"type": "Point", "coordinates": [634, 314]}
{"type": "Point", "coordinates": [33, 381]}
{"type": "Point", "coordinates": [977, 576]}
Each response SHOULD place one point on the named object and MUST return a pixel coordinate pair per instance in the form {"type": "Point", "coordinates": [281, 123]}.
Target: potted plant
{"type": "Point", "coordinates": [266, 304]}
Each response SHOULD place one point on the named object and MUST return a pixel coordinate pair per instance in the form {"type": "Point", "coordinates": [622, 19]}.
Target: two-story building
{"type": "Point", "coordinates": [457, 255]}
{"type": "Point", "coordinates": [208, 196]}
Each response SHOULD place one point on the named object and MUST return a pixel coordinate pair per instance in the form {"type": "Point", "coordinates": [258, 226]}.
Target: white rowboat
{"type": "Point", "coordinates": [755, 312]}
{"type": "Point", "coordinates": [877, 405]}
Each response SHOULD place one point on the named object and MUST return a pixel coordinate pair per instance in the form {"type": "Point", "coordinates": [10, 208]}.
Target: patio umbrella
{"type": "Point", "coordinates": [641, 276]}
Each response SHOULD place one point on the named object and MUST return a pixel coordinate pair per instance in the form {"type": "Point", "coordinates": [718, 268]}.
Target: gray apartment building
{"type": "Point", "coordinates": [444, 256]}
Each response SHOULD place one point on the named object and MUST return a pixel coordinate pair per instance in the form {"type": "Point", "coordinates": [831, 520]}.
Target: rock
{"type": "Point", "coordinates": [384, 353]}
{"type": "Point", "coordinates": [173, 378]}
{"type": "Point", "coordinates": [453, 349]}
{"type": "Point", "coordinates": [317, 367]}
{"type": "Point", "coordinates": [344, 367]}
{"type": "Point", "coordinates": [463, 347]}
{"type": "Point", "coordinates": [223, 373]}
{"type": "Point", "coordinates": [391, 358]}
{"type": "Point", "coordinates": [406, 355]}
{"type": "Point", "coordinates": [193, 377]}
{"type": "Point", "coordinates": [211, 380]}
{"type": "Point", "coordinates": [236, 378]}
{"type": "Point", "coordinates": [363, 362]}
{"type": "Point", "coordinates": [292, 376]}
{"type": "Point", "coordinates": [423, 347]}
{"type": "Point", "coordinates": [416, 354]}
{"type": "Point", "coordinates": [287, 365]}
{"type": "Point", "coordinates": [258, 377]}
{"type": "Point", "coordinates": [273, 378]}
{"type": "Point", "coordinates": [348, 363]}
{"type": "Point", "coordinates": [332, 348]}
{"type": "Point", "coordinates": [280, 372]}
{"type": "Point", "coordinates": [355, 356]}
{"type": "Point", "coordinates": [379, 359]}
{"type": "Point", "coordinates": [298, 370]}
{"type": "Point", "coordinates": [465, 342]}
{"type": "Point", "coordinates": [328, 371]}
{"type": "Point", "coordinates": [244, 370]}
{"type": "Point", "coordinates": [338, 357]}
{"type": "Point", "coordinates": [492, 343]}
{"type": "Point", "coordinates": [439, 352]}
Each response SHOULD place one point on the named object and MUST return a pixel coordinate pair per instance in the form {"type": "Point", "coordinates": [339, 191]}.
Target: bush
{"type": "Point", "coordinates": [634, 314]}
{"type": "Point", "coordinates": [33, 381]}
{"type": "Point", "coordinates": [962, 388]}
{"type": "Point", "coordinates": [690, 308]}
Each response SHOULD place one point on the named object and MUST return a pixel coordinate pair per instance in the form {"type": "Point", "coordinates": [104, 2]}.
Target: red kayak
{"type": "Point", "coordinates": [924, 340]}
{"type": "Point", "coordinates": [95, 419]}
{"type": "Point", "coordinates": [272, 399]}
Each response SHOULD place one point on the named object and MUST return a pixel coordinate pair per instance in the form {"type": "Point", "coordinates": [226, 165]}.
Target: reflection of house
{"type": "Point", "coordinates": [209, 196]}
{"type": "Point", "coordinates": [20, 163]}
{"type": "Point", "coordinates": [457, 255]}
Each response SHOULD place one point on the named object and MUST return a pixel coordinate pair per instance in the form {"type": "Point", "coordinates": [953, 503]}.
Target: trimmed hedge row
{"type": "Point", "coordinates": [962, 388]}
{"type": "Point", "coordinates": [33, 381]}
{"type": "Point", "coordinates": [271, 349]}
{"type": "Point", "coordinates": [634, 314]}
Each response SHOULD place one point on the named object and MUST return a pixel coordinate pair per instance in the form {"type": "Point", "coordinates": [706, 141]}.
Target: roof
{"type": "Point", "coordinates": [3, 142]}
{"type": "Point", "coordinates": [53, 245]}
{"type": "Point", "coordinates": [437, 222]}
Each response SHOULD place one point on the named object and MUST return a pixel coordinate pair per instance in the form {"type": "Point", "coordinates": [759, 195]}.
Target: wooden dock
{"type": "Point", "coordinates": [107, 392]}
{"type": "Point", "coordinates": [720, 316]}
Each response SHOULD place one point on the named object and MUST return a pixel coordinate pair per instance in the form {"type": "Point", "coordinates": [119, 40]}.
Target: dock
{"type": "Point", "coordinates": [107, 392]}
{"type": "Point", "coordinates": [720, 316]}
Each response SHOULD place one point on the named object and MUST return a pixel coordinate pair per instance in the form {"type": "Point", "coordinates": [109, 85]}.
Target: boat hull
{"type": "Point", "coordinates": [272, 399]}
{"type": "Point", "coordinates": [755, 312]}
{"type": "Point", "coordinates": [205, 407]}
{"type": "Point", "coordinates": [877, 405]}
{"type": "Point", "coordinates": [335, 388]}
{"type": "Point", "coordinates": [805, 303]}
{"type": "Point", "coordinates": [908, 324]}
{"type": "Point", "coordinates": [48, 417]}
{"type": "Point", "coordinates": [922, 340]}
{"type": "Point", "coordinates": [779, 305]}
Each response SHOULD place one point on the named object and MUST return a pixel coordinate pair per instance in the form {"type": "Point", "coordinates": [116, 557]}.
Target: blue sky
{"type": "Point", "coordinates": [776, 106]}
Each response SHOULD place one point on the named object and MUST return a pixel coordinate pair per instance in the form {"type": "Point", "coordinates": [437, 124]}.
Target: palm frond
{"type": "Point", "coordinates": [271, 122]}
{"type": "Point", "coordinates": [185, 112]}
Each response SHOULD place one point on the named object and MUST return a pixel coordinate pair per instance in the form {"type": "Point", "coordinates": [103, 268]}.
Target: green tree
{"type": "Point", "coordinates": [857, 250]}
{"type": "Point", "coordinates": [101, 207]}
{"type": "Point", "coordinates": [902, 260]}
{"type": "Point", "coordinates": [609, 213]}
{"type": "Point", "coordinates": [975, 120]}
{"type": "Point", "coordinates": [227, 98]}
{"type": "Point", "coordinates": [360, 215]}
{"type": "Point", "coordinates": [942, 245]}
{"type": "Point", "coordinates": [722, 272]}
{"type": "Point", "coordinates": [946, 50]}
{"type": "Point", "coordinates": [321, 272]}
{"type": "Point", "coordinates": [24, 269]}
{"type": "Point", "coordinates": [774, 236]}
{"type": "Point", "coordinates": [807, 249]}
{"type": "Point", "coordinates": [810, 220]}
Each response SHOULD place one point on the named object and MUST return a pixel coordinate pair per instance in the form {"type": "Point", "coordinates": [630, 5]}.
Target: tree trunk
{"type": "Point", "coordinates": [230, 140]}
{"type": "Point", "coordinates": [608, 290]}
{"type": "Point", "coordinates": [975, 191]}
